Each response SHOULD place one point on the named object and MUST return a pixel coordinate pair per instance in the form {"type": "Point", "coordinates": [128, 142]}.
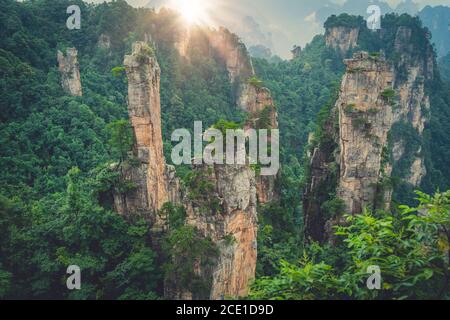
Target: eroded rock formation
{"type": "Point", "coordinates": [150, 176]}
{"type": "Point", "coordinates": [323, 177]}
{"type": "Point", "coordinates": [231, 223]}
{"type": "Point", "coordinates": [342, 38]}
{"type": "Point", "coordinates": [381, 103]}
{"type": "Point", "coordinates": [365, 118]}
{"type": "Point", "coordinates": [104, 41]}
{"type": "Point", "coordinates": [233, 52]}
{"type": "Point", "coordinates": [413, 102]}
{"type": "Point", "coordinates": [252, 98]}
{"type": "Point", "coordinates": [70, 72]}
{"type": "Point", "coordinates": [258, 102]}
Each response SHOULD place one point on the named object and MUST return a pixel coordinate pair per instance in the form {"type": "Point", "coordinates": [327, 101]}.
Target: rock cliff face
{"type": "Point", "coordinates": [233, 52]}
{"type": "Point", "coordinates": [363, 143]}
{"type": "Point", "coordinates": [228, 213]}
{"type": "Point", "coordinates": [104, 41]}
{"type": "Point", "coordinates": [342, 38]}
{"type": "Point", "coordinates": [413, 102]}
{"type": "Point", "coordinates": [231, 224]}
{"type": "Point", "coordinates": [70, 72]}
{"type": "Point", "coordinates": [183, 40]}
{"type": "Point", "coordinates": [365, 118]}
{"type": "Point", "coordinates": [258, 102]}
{"type": "Point", "coordinates": [323, 177]}
{"type": "Point", "coordinates": [252, 98]}
{"type": "Point", "coordinates": [150, 176]}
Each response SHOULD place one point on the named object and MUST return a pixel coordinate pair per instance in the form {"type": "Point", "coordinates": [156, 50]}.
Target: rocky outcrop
{"type": "Point", "coordinates": [296, 52]}
{"type": "Point", "coordinates": [104, 42]}
{"type": "Point", "coordinates": [233, 53]}
{"type": "Point", "coordinates": [258, 102]}
{"type": "Point", "coordinates": [150, 177]}
{"type": "Point", "coordinates": [365, 118]}
{"type": "Point", "coordinates": [182, 41]}
{"type": "Point", "coordinates": [418, 172]}
{"type": "Point", "coordinates": [351, 162]}
{"type": "Point", "coordinates": [381, 103]}
{"type": "Point", "coordinates": [323, 177]}
{"type": "Point", "coordinates": [70, 72]}
{"type": "Point", "coordinates": [231, 223]}
{"type": "Point", "coordinates": [342, 38]}
{"type": "Point", "coordinates": [254, 99]}
{"type": "Point", "coordinates": [413, 102]}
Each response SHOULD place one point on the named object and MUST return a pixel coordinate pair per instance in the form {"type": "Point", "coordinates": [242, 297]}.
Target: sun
{"type": "Point", "coordinates": [193, 11]}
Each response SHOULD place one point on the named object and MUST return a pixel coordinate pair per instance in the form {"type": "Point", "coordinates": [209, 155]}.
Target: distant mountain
{"type": "Point", "coordinates": [437, 19]}
{"type": "Point", "coordinates": [279, 25]}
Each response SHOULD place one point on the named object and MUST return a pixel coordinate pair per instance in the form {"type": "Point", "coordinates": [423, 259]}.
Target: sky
{"type": "Point", "coordinates": [281, 24]}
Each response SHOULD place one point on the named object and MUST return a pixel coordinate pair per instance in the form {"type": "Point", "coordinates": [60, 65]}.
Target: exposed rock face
{"type": "Point", "coordinates": [233, 227]}
{"type": "Point", "coordinates": [250, 98]}
{"type": "Point", "coordinates": [70, 72]}
{"type": "Point", "coordinates": [233, 52]}
{"type": "Point", "coordinates": [150, 176]}
{"type": "Point", "coordinates": [254, 99]}
{"type": "Point", "coordinates": [359, 155]}
{"type": "Point", "coordinates": [324, 174]}
{"type": "Point", "coordinates": [183, 40]}
{"type": "Point", "coordinates": [365, 118]}
{"type": "Point", "coordinates": [412, 98]}
{"type": "Point", "coordinates": [351, 163]}
{"type": "Point", "coordinates": [104, 41]}
{"type": "Point", "coordinates": [342, 38]}
{"type": "Point", "coordinates": [258, 102]}
{"type": "Point", "coordinates": [418, 172]}
{"type": "Point", "coordinates": [296, 52]}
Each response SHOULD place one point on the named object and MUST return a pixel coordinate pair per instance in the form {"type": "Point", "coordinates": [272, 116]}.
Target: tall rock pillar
{"type": "Point", "coordinates": [149, 176]}
{"type": "Point", "coordinates": [70, 72]}
{"type": "Point", "coordinates": [229, 219]}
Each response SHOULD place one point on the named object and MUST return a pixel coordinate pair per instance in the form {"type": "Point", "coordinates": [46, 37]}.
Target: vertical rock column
{"type": "Point", "coordinates": [254, 99]}
{"type": "Point", "coordinates": [365, 118]}
{"type": "Point", "coordinates": [258, 102]}
{"type": "Point", "coordinates": [149, 176]}
{"type": "Point", "coordinates": [382, 107]}
{"type": "Point", "coordinates": [70, 72]}
{"type": "Point", "coordinates": [413, 101]}
{"type": "Point", "coordinates": [351, 159]}
{"type": "Point", "coordinates": [232, 226]}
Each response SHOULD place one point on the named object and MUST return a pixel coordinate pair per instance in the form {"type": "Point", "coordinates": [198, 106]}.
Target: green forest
{"type": "Point", "coordinates": [57, 151]}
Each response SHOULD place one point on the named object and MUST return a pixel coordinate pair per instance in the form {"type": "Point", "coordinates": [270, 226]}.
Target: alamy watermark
{"type": "Point", "coordinates": [238, 147]}
{"type": "Point", "coordinates": [374, 281]}
{"type": "Point", "coordinates": [74, 280]}
{"type": "Point", "coordinates": [74, 20]}
{"type": "Point", "coordinates": [374, 20]}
